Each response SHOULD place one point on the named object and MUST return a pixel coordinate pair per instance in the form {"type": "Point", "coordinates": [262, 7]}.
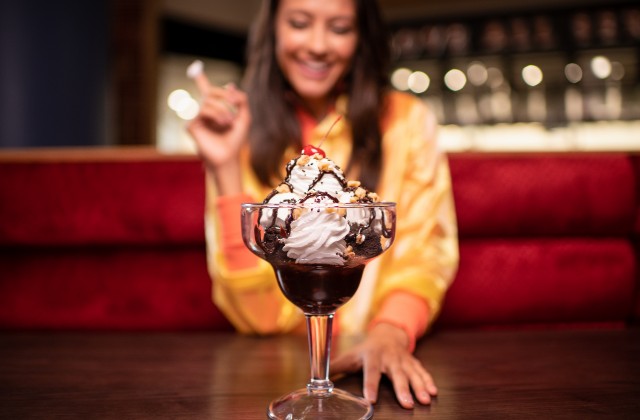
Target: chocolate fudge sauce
{"type": "Point", "coordinates": [318, 289]}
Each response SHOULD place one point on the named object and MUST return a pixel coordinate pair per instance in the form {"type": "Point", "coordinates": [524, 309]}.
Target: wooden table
{"type": "Point", "coordinates": [576, 374]}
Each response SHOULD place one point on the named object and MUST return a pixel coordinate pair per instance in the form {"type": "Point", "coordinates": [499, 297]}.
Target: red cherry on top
{"type": "Point", "coordinates": [310, 150]}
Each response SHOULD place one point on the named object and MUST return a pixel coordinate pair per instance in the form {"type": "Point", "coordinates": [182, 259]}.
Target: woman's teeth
{"type": "Point", "coordinates": [316, 65]}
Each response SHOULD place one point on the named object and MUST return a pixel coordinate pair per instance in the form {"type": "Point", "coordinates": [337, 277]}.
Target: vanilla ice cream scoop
{"type": "Point", "coordinates": [318, 232]}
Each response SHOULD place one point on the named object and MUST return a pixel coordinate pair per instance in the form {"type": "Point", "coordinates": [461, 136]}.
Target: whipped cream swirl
{"type": "Point", "coordinates": [320, 175]}
{"type": "Point", "coordinates": [271, 217]}
{"type": "Point", "coordinates": [317, 237]}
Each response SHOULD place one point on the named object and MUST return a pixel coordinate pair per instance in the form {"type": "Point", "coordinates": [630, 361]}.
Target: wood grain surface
{"type": "Point", "coordinates": [569, 374]}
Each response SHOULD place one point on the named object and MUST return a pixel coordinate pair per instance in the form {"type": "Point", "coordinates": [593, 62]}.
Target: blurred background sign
{"type": "Point", "coordinates": [500, 75]}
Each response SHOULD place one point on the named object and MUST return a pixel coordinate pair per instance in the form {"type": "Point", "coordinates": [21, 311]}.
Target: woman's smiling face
{"type": "Point", "coordinates": [315, 44]}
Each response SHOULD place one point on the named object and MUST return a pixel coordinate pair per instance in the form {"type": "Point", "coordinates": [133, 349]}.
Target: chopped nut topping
{"type": "Point", "coordinates": [360, 192]}
{"type": "Point", "coordinates": [324, 166]}
{"type": "Point", "coordinates": [353, 184]}
{"type": "Point", "coordinates": [283, 188]}
{"type": "Point", "coordinates": [353, 199]}
{"type": "Point", "coordinates": [303, 160]}
{"type": "Point", "coordinates": [317, 156]}
{"type": "Point", "coordinates": [339, 211]}
{"type": "Point", "coordinates": [348, 252]}
{"type": "Point", "coordinates": [297, 213]}
{"type": "Point", "coordinates": [373, 196]}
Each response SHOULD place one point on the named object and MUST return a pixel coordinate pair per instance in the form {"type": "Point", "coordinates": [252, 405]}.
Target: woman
{"type": "Point", "coordinates": [310, 61]}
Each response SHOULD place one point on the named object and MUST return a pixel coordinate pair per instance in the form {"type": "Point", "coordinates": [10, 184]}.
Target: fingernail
{"type": "Point", "coordinates": [231, 108]}
{"type": "Point", "coordinates": [368, 397]}
{"type": "Point", "coordinates": [195, 69]}
{"type": "Point", "coordinates": [425, 398]}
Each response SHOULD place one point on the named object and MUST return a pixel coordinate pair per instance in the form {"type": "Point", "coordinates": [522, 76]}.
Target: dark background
{"type": "Point", "coordinates": [85, 73]}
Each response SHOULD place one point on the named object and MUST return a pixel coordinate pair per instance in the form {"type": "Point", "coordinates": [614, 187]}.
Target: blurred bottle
{"type": "Point", "coordinates": [457, 39]}
{"type": "Point", "coordinates": [520, 34]}
{"type": "Point", "coordinates": [494, 37]}
{"type": "Point", "coordinates": [631, 22]}
{"type": "Point", "coordinates": [405, 44]}
{"type": "Point", "coordinates": [432, 38]}
{"type": "Point", "coordinates": [581, 29]}
{"type": "Point", "coordinates": [607, 27]}
{"type": "Point", "coordinates": [543, 33]}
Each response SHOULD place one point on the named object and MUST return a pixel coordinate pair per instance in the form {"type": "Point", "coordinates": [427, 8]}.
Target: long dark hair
{"type": "Point", "coordinates": [274, 126]}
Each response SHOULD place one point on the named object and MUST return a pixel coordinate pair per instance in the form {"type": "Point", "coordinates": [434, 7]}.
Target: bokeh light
{"type": "Point", "coordinates": [455, 79]}
{"type": "Point", "coordinates": [183, 104]}
{"type": "Point", "coordinates": [178, 99]}
{"type": "Point", "coordinates": [495, 77]}
{"type": "Point", "coordinates": [601, 66]}
{"type": "Point", "coordinates": [617, 71]}
{"type": "Point", "coordinates": [419, 82]}
{"type": "Point", "coordinates": [477, 73]}
{"type": "Point", "coordinates": [532, 75]}
{"type": "Point", "coordinates": [573, 72]}
{"type": "Point", "coordinates": [400, 78]}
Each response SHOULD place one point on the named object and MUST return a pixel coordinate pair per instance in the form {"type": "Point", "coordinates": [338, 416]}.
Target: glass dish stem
{"type": "Point", "coordinates": [319, 329]}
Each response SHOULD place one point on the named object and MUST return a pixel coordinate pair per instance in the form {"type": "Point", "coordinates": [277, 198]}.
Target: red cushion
{"type": "Point", "coordinates": [122, 288]}
{"type": "Point", "coordinates": [636, 168]}
{"type": "Point", "coordinates": [117, 242]}
{"type": "Point", "coordinates": [543, 195]}
{"type": "Point", "coordinates": [565, 280]}
{"type": "Point", "coordinates": [95, 201]}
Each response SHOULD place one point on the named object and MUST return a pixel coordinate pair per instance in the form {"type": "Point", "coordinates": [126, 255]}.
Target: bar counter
{"type": "Point", "coordinates": [519, 374]}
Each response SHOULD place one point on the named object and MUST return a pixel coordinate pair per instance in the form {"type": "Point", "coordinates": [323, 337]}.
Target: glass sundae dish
{"type": "Point", "coordinates": [318, 232]}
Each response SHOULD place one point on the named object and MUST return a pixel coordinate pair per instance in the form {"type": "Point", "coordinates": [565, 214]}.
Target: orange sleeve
{"type": "Point", "coordinates": [405, 311]}
{"type": "Point", "coordinates": [235, 253]}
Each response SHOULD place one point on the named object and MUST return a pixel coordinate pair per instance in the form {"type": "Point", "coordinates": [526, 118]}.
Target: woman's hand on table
{"type": "Point", "coordinates": [385, 351]}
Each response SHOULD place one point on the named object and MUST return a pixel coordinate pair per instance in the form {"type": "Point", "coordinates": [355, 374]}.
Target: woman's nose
{"type": "Point", "coordinates": [318, 40]}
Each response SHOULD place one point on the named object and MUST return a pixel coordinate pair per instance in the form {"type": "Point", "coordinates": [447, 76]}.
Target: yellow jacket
{"type": "Point", "coordinates": [422, 261]}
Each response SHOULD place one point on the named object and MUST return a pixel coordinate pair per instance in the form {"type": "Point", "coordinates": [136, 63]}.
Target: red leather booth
{"type": "Point", "coordinates": [114, 240]}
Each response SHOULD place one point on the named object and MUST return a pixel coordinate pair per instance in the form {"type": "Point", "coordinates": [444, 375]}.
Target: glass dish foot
{"type": "Point", "coordinates": [336, 404]}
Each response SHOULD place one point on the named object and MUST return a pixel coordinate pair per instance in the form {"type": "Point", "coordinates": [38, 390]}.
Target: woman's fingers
{"type": "Point", "coordinates": [400, 380]}
{"type": "Point", "coordinates": [355, 360]}
{"type": "Point", "coordinates": [203, 84]}
{"type": "Point", "coordinates": [346, 363]}
{"type": "Point", "coordinates": [432, 389]}
{"type": "Point", "coordinates": [221, 101]}
{"type": "Point", "coordinates": [421, 383]}
{"type": "Point", "coordinates": [372, 373]}
{"type": "Point", "coordinates": [220, 128]}
{"type": "Point", "coordinates": [230, 99]}
{"type": "Point", "coordinates": [408, 376]}
{"type": "Point", "coordinates": [216, 111]}
{"type": "Point", "coordinates": [234, 97]}
{"type": "Point", "coordinates": [195, 71]}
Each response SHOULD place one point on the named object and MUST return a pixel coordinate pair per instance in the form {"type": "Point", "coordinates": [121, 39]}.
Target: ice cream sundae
{"type": "Point", "coordinates": [318, 223]}
{"type": "Point", "coordinates": [315, 181]}
{"type": "Point", "coordinates": [318, 230]}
